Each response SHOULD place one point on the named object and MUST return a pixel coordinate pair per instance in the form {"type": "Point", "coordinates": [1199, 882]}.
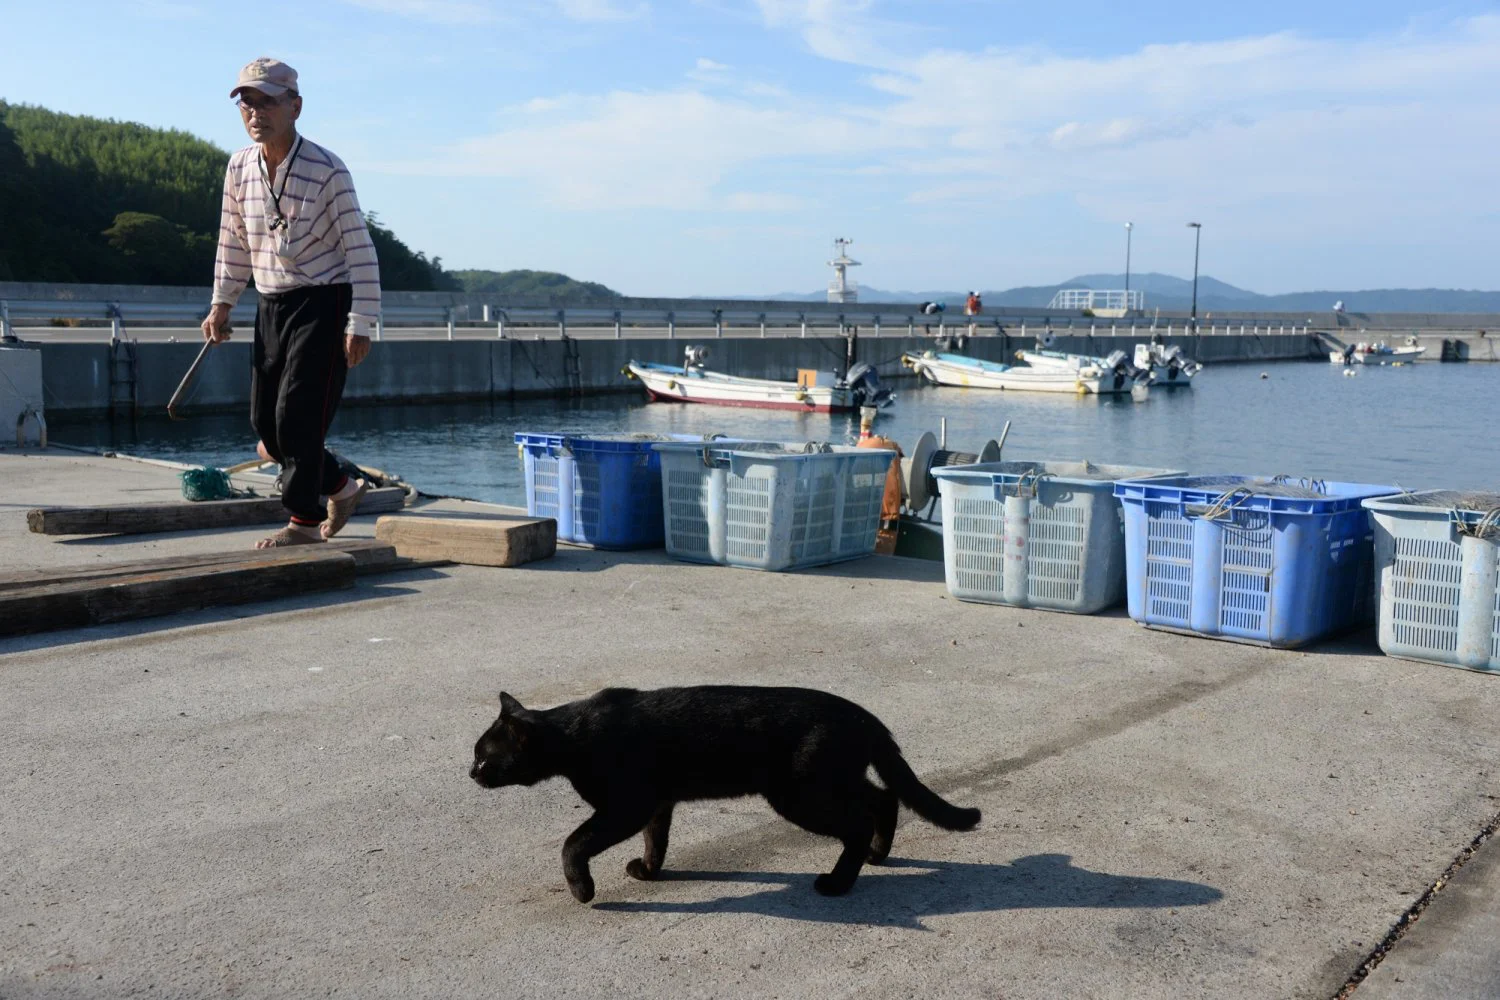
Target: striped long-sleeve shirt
{"type": "Point", "coordinates": [327, 234]}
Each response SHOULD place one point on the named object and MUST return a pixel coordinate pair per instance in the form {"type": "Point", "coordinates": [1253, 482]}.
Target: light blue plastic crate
{"type": "Point", "coordinates": [1036, 534]}
{"type": "Point", "coordinates": [770, 506]}
{"type": "Point", "coordinates": [1437, 558]}
{"type": "Point", "coordinates": [1227, 557]}
{"type": "Point", "coordinates": [604, 490]}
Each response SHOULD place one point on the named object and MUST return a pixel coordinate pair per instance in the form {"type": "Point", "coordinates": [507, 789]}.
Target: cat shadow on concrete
{"type": "Point", "coordinates": [911, 890]}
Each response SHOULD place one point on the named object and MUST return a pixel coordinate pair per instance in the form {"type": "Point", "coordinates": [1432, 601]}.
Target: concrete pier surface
{"type": "Point", "coordinates": [272, 800]}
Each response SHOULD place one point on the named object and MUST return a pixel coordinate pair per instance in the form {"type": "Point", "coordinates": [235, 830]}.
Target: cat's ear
{"type": "Point", "coordinates": [509, 707]}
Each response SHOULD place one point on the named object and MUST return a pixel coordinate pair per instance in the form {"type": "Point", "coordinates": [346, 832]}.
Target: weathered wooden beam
{"type": "Point", "coordinates": [496, 541]}
{"type": "Point", "coordinates": [184, 515]}
{"type": "Point", "coordinates": [370, 556]}
{"type": "Point", "coordinates": [96, 602]}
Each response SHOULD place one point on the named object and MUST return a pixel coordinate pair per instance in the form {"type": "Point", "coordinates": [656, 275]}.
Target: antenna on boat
{"type": "Point", "coordinates": [841, 289]}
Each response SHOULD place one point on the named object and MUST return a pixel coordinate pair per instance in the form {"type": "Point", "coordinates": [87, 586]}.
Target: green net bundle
{"type": "Point", "coordinates": [206, 483]}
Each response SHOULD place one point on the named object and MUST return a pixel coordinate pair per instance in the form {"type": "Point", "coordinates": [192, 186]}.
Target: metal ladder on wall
{"type": "Point", "coordinates": [123, 367]}
{"type": "Point", "coordinates": [572, 368]}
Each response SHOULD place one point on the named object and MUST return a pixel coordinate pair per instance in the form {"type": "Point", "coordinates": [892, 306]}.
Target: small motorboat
{"type": "Point", "coordinates": [959, 370]}
{"type": "Point", "coordinates": [1377, 353]}
{"type": "Point", "coordinates": [813, 392]}
{"type": "Point", "coordinates": [1116, 361]}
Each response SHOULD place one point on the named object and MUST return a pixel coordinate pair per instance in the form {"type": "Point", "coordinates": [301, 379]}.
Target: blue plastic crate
{"type": "Point", "coordinates": [1225, 556]}
{"type": "Point", "coordinates": [604, 490]}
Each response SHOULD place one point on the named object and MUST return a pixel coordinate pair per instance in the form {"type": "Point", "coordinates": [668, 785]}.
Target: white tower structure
{"type": "Point", "coordinates": [841, 288]}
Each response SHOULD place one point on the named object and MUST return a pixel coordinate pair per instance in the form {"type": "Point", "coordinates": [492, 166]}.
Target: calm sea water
{"type": "Point", "coordinates": [1418, 426]}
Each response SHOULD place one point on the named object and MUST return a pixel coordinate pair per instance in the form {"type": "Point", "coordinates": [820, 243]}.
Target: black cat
{"type": "Point", "coordinates": [633, 755]}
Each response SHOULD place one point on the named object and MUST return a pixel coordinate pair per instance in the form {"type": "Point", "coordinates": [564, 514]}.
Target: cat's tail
{"type": "Point", "coordinates": [901, 779]}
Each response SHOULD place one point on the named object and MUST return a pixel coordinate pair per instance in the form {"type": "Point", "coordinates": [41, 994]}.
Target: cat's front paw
{"type": "Point", "coordinates": [582, 888]}
{"type": "Point", "coordinates": [636, 868]}
{"type": "Point", "coordinates": [828, 885]}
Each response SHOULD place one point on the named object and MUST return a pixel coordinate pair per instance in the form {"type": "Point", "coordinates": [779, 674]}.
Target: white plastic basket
{"type": "Point", "coordinates": [770, 507]}
{"type": "Point", "coordinates": [1438, 562]}
{"type": "Point", "coordinates": [1035, 534]}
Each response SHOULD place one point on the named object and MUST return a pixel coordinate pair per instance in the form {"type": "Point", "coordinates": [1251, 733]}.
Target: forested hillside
{"type": "Point", "coordinates": [86, 199]}
{"type": "Point", "coordinates": [535, 286]}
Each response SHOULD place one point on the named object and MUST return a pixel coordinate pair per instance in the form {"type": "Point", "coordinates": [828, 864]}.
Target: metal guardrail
{"type": "Point", "coordinates": [539, 320]}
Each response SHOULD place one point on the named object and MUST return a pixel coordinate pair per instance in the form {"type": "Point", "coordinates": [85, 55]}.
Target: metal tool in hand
{"type": "Point", "coordinates": [188, 379]}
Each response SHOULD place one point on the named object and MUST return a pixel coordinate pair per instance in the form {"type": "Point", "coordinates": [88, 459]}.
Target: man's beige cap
{"type": "Point", "coordinates": [271, 77]}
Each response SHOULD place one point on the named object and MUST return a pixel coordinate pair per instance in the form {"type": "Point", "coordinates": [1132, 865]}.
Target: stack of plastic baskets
{"type": "Point", "coordinates": [1437, 554]}
{"type": "Point", "coordinates": [771, 506]}
{"type": "Point", "coordinates": [1268, 561]}
{"type": "Point", "coordinates": [1035, 534]}
{"type": "Point", "coordinates": [604, 490]}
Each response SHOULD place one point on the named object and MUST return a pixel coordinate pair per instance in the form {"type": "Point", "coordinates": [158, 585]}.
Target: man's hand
{"type": "Point", "coordinates": [356, 348]}
{"type": "Point", "coordinates": [216, 324]}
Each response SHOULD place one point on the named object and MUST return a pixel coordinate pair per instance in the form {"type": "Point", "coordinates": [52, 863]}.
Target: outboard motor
{"type": "Point", "coordinates": [1124, 369]}
{"type": "Point", "coordinates": [865, 381]}
{"type": "Point", "coordinates": [1178, 365]}
{"type": "Point", "coordinates": [693, 357]}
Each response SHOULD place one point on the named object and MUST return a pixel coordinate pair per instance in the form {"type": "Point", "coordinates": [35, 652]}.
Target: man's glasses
{"type": "Point", "coordinates": [257, 107]}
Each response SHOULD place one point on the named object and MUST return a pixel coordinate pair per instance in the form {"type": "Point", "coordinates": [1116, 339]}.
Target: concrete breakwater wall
{"type": "Point", "coordinates": [78, 377]}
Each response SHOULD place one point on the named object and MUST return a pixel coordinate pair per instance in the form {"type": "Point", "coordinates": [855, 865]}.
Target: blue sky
{"type": "Point", "coordinates": [681, 147]}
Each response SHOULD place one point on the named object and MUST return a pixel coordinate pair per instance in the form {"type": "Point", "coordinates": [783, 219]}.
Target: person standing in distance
{"type": "Point", "coordinates": [291, 221]}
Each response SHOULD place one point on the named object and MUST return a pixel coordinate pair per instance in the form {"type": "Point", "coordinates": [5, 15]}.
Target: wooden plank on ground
{"type": "Point", "coordinates": [490, 541]}
{"type": "Point", "coordinates": [184, 515]}
{"type": "Point", "coordinates": [370, 556]}
{"type": "Point", "coordinates": [74, 604]}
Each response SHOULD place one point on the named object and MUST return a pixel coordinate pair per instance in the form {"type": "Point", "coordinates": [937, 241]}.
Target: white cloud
{"type": "Point", "coordinates": [671, 150]}
{"type": "Point", "coordinates": [435, 11]}
{"type": "Point", "coordinates": [600, 10]}
{"type": "Point", "coordinates": [763, 201]}
{"type": "Point", "coordinates": [1278, 132]}
{"type": "Point", "coordinates": [169, 10]}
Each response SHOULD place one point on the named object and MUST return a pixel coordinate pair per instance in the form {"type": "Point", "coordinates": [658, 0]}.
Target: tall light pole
{"type": "Point", "coordinates": [1128, 227]}
{"type": "Point", "coordinates": [1197, 228]}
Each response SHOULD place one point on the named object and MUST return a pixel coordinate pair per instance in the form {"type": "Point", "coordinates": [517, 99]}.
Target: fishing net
{"type": "Point", "coordinates": [209, 483]}
{"type": "Point", "coordinates": [1279, 487]}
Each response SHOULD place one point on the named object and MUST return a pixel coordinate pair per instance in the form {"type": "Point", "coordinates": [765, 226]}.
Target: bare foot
{"type": "Point", "coordinates": [285, 537]}
{"type": "Point", "coordinates": [339, 511]}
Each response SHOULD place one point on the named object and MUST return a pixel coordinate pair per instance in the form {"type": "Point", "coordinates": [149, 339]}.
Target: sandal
{"type": "Point", "coordinates": [285, 537]}
{"type": "Point", "coordinates": [339, 511]}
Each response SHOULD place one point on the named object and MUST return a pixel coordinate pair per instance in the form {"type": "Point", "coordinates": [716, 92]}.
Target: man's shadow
{"type": "Point", "coordinates": [935, 888]}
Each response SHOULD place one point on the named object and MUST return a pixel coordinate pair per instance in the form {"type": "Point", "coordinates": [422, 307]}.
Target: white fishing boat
{"type": "Point", "coordinates": [958, 370]}
{"type": "Point", "coordinates": [1377, 353]}
{"type": "Point", "coordinates": [1168, 366]}
{"type": "Point", "coordinates": [813, 392]}
{"type": "Point", "coordinates": [1117, 362]}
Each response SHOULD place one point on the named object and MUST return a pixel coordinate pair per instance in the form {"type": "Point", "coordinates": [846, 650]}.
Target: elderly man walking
{"type": "Point", "coordinates": [291, 221]}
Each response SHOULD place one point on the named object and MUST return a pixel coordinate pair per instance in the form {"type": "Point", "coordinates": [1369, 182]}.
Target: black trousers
{"type": "Point", "coordinates": [295, 385]}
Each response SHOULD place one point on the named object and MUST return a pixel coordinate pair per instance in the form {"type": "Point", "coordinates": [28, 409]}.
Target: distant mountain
{"type": "Point", "coordinates": [534, 286]}
{"type": "Point", "coordinates": [1164, 291]}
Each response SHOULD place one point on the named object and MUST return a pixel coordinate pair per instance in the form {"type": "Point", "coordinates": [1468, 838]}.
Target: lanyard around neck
{"type": "Point", "coordinates": [286, 171]}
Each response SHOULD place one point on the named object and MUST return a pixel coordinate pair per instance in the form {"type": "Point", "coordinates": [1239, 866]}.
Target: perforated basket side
{"type": "Point", "coordinates": [685, 507]}
{"type": "Point", "coordinates": [859, 521]}
{"type": "Point", "coordinates": [1422, 595]}
{"type": "Point", "coordinates": [748, 512]}
{"type": "Point", "coordinates": [1169, 565]}
{"type": "Point", "coordinates": [545, 488]}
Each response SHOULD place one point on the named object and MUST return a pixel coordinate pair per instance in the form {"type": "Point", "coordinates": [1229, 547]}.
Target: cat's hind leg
{"type": "Point", "coordinates": [596, 835]}
{"type": "Point", "coordinates": [885, 807]}
{"type": "Point", "coordinates": [841, 813]}
{"type": "Point", "coordinates": [648, 865]}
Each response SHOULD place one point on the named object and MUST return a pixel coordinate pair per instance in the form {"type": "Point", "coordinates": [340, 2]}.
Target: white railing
{"type": "Point", "coordinates": [1096, 300]}
{"type": "Point", "coordinates": [42, 316]}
